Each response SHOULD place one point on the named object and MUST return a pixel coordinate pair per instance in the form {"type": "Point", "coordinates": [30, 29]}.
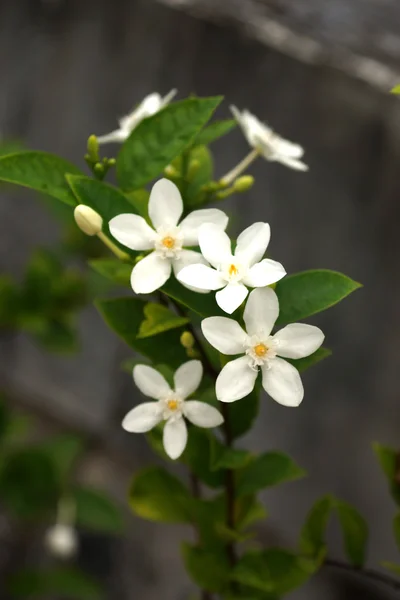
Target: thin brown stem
{"type": "Point", "coordinates": [370, 574]}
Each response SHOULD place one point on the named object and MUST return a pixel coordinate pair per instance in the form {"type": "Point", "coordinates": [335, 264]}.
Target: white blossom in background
{"type": "Point", "coordinates": [280, 379]}
{"type": "Point", "coordinates": [166, 240]}
{"type": "Point", "coordinates": [151, 105]}
{"type": "Point", "coordinates": [61, 541]}
{"type": "Point", "coordinates": [267, 142]}
{"type": "Point", "coordinates": [232, 273]}
{"type": "Point", "coordinates": [171, 405]}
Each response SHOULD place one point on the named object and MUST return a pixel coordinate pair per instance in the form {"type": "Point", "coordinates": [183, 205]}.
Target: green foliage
{"type": "Point", "coordinates": [156, 495]}
{"type": "Point", "coordinates": [158, 319]}
{"type": "Point", "coordinates": [197, 456]}
{"type": "Point", "coordinates": [209, 569]}
{"type": "Point", "coordinates": [159, 139]}
{"type": "Point", "coordinates": [391, 567]}
{"type": "Point", "coordinates": [305, 294]}
{"type": "Point", "coordinates": [114, 270]}
{"type": "Point", "coordinates": [223, 457]}
{"type": "Point", "coordinates": [302, 364]}
{"type": "Point", "coordinates": [63, 451]}
{"type": "Point", "coordinates": [9, 302]}
{"type": "Point", "coordinates": [267, 470]}
{"type": "Point", "coordinates": [66, 583]}
{"type": "Point", "coordinates": [201, 304]}
{"type": "Point", "coordinates": [243, 413]}
{"type": "Point", "coordinates": [39, 171]}
{"type": "Point", "coordinates": [95, 510]}
{"type": "Point", "coordinates": [312, 537]}
{"type": "Point", "coordinates": [389, 460]}
{"type": "Point", "coordinates": [396, 529]}
{"type": "Point", "coordinates": [395, 90]}
{"type": "Point", "coordinates": [192, 193]}
{"type": "Point", "coordinates": [214, 131]}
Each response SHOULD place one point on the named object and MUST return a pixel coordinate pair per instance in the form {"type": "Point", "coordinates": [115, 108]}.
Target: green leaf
{"type": "Point", "coordinates": [305, 294]}
{"type": "Point", "coordinates": [391, 567]}
{"type": "Point", "coordinates": [159, 139]}
{"type": "Point", "coordinates": [140, 201]}
{"type": "Point", "coordinates": [197, 455]}
{"type": "Point", "coordinates": [56, 336]}
{"type": "Point", "coordinates": [113, 269]}
{"type": "Point", "coordinates": [209, 569]}
{"type": "Point", "coordinates": [157, 495]}
{"type": "Point", "coordinates": [302, 364]}
{"type": "Point", "coordinates": [202, 304]}
{"type": "Point", "coordinates": [312, 537]}
{"type": "Point", "coordinates": [243, 413]}
{"type": "Point", "coordinates": [193, 196]}
{"type": "Point", "coordinates": [223, 457]}
{"type": "Point", "coordinates": [39, 171]}
{"type": "Point", "coordinates": [159, 319]}
{"type": "Point", "coordinates": [5, 417]}
{"type": "Point", "coordinates": [104, 198]}
{"type": "Point", "coordinates": [214, 131]}
{"type": "Point", "coordinates": [355, 532]}
{"type": "Point", "coordinates": [396, 529]}
{"type": "Point", "coordinates": [63, 450]}
{"type": "Point", "coordinates": [248, 510]}
{"type": "Point", "coordinates": [9, 302]}
{"type": "Point", "coordinates": [395, 90]}
{"type": "Point", "coordinates": [389, 459]}
{"type": "Point", "coordinates": [96, 510]}
{"type": "Point", "coordinates": [64, 582]}
{"type": "Point", "coordinates": [267, 470]}
{"type": "Point", "coordinates": [125, 316]}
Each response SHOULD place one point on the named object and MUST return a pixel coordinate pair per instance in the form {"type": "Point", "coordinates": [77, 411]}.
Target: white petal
{"type": "Point", "coordinates": [298, 340]}
{"type": "Point", "coordinates": [202, 414]}
{"type": "Point", "coordinates": [282, 382]}
{"type": "Point", "coordinates": [224, 334]}
{"type": "Point", "coordinates": [202, 277]}
{"type": "Point", "coordinates": [298, 165]}
{"type": "Point", "coordinates": [150, 274]}
{"type": "Point", "coordinates": [175, 437]}
{"type": "Point", "coordinates": [142, 418]}
{"type": "Point", "coordinates": [119, 135]}
{"type": "Point", "coordinates": [150, 382]}
{"type": "Point", "coordinates": [190, 224]}
{"type": "Point", "coordinates": [231, 296]}
{"type": "Point", "coordinates": [214, 244]}
{"type": "Point", "coordinates": [165, 204]}
{"type": "Point", "coordinates": [132, 231]}
{"type": "Point", "coordinates": [167, 99]}
{"type": "Point", "coordinates": [264, 273]}
{"type": "Point", "coordinates": [236, 380]}
{"type": "Point", "coordinates": [253, 242]}
{"type": "Point", "coordinates": [188, 377]}
{"type": "Point", "coordinates": [186, 258]}
{"type": "Point", "coordinates": [261, 311]}
{"type": "Point", "coordinates": [287, 149]}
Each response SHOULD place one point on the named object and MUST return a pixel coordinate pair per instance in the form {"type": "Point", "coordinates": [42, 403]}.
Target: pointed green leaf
{"type": "Point", "coordinates": [303, 364]}
{"type": "Point", "coordinates": [312, 537]}
{"type": "Point", "coordinates": [65, 582]}
{"type": "Point", "coordinates": [159, 319]}
{"type": "Point", "coordinates": [104, 198]}
{"type": "Point", "coordinates": [223, 457]}
{"type": "Point", "coordinates": [202, 304]}
{"type": "Point", "coordinates": [355, 532]}
{"type": "Point", "coordinates": [305, 294]}
{"type": "Point", "coordinates": [113, 269]}
{"type": "Point", "coordinates": [209, 569]}
{"type": "Point", "coordinates": [197, 456]}
{"type": "Point", "coordinates": [39, 171]}
{"type": "Point", "coordinates": [267, 470]}
{"type": "Point", "coordinates": [159, 139]}
{"type": "Point", "coordinates": [214, 131]}
{"type": "Point", "coordinates": [96, 510]}
{"type": "Point", "coordinates": [389, 459]}
{"type": "Point", "coordinates": [243, 413]}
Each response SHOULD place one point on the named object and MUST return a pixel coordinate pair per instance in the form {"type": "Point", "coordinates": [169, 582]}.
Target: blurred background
{"type": "Point", "coordinates": [319, 73]}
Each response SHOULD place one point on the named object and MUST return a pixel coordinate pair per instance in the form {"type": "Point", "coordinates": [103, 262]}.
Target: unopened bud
{"type": "Point", "coordinates": [93, 148]}
{"type": "Point", "coordinates": [88, 220]}
{"type": "Point", "coordinates": [193, 167]}
{"type": "Point", "coordinates": [187, 340]}
{"type": "Point", "coordinates": [170, 171]}
{"type": "Point", "coordinates": [111, 162]}
{"type": "Point", "coordinates": [99, 168]}
{"type": "Point", "coordinates": [62, 541]}
{"type": "Point", "coordinates": [244, 183]}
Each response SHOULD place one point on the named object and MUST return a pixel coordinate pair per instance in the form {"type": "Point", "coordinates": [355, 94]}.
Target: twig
{"type": "Point", "coordinates": [367, 573]}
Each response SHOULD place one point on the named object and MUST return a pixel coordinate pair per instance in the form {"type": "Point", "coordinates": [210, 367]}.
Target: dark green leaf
{"type": "Point", "coordinates": [104, 198]}
{"type": "Point", "coordinates": [303, 364]}
{"type": "Point", "coordinates": [64, 582]}
{"type": "Point", "coordinates": [355, 532]}
{"type": "Point", "coordinates": [192, 195]}
{"type": "Point", "coordinates": [209, 569]}
{"type": "Point", "coordinates": [158, 320]}
{"type": "Point", "coordinates": [214, 131]}
{"type": "Point", "coordinates": [198, 456]}
{"type": "Point", "coordinates": [9, 302]}
{"type": "Point", "coordinates": [96, 510]}
{"type": "Point", "coordinates": [157, 495]}
{"type": "Point", "coordinates": [396, 529]}
{"type": "Point", "coordinates": [140, 201]}
{"type": "Point", "coordinates": [223, 457]}
{"type": "Point", "coordinates": [389, 460]}
{"type": "Point", "coordinates": [113, 269]}
{"type": "Point", "coordinates": [64, 451]}
{"type": "Point", "coordinates": [57, 336]}
{"type": "Point", "coordinates": [243, 413]}
{"type": "Point", "coordinates": [267, 470]}
{"type": "Point", "coordinates": [160, 138]}
{"type": "Point", "coordinates": [304, 294]}
{"type": "Point", "coordinates": [202, 304]}
{"type": "Point", "coordinates": [248, 510]}
{"type": "Point", "coordinates": [39, 171]}
{"type": "Point", "coordinates": [5, 417]}
{"type": "Point", "coordinates": [312, 537]}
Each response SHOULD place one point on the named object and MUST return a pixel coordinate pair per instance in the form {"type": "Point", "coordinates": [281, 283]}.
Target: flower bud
{"type": "Point", "coordinates": [193, 168]}
{"type": "Point", "coordinates": [62, 541]}
{"type": "Point", "coordinates": [93, 148]}
{"type": "Point", "coordinates": [187, 340]}
{"type": "Point", "coordinates": [170, 171]}
{"type": "Point", "coordinates": [244, 183]}
{"type": "Point", "coordinates": [88, 220]}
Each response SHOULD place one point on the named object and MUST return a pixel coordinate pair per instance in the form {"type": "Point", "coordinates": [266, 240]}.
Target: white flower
{"type": "Point", "coordinates": [167, 239]}
{"type": "Point", "coordinates": [261, 349]}
{"type": "Point", "coordinates": [151, 105]}
{"type": "Point", "coordinates": [172, 405]}
{"type": "Point", "coordinates": [61, 541]}
{"type": "Point", "coordinates": [233, 272]}
{"type": "Point", "coordinates": [267, 142]}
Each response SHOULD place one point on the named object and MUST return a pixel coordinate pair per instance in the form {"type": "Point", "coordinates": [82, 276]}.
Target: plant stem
{"type": "Point", "coordinates": [114, 249]}
{"type": "Point", "coordinates": [242, 166]}
{"type": "Point", "coordinates": [370, 574]}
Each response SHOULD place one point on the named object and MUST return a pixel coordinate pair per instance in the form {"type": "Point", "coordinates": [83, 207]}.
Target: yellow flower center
{"type": "Point", "coordinates": [172, 404]}
{"type": "Point", "coordinates": [168, 242]}
{"type": "Point", "coordinates": [260, 350]}
{"type": "Point", "coordinates": [233, 270]}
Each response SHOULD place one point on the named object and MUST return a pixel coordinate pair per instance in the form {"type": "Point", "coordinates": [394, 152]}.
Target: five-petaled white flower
{"type": "Point", "coordinates": [148, 107]}
{"type": "Point", "coordinates": [267, 142]}
{"type": "Point", "coordinates": [261, 349]}
{"type": "Point", "coordinates": [232, 272]}
{"type": "Point", "coordinates": [172, 405]}
{"type": "Point", "coordinates": [167, 239]}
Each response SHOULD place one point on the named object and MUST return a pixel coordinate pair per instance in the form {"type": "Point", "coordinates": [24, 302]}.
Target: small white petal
{"type": "Point", "coordinates": [150, 274]}
{"type": "Point", "coordinates": [298, 165]}
{"type": "Point", "coordinates": [264, 273]}
{"type": "Point", "coordinates": [282, 382]}
{"type": "Point", "coordinates": [298, 340]}
{"type": "Point", "coordinates": [165, 204]}
{"type": "Point", "coordinates": [253, 242]}
{"type": "Point", "coordinates": [288, 149]}
{"type": "Point", "coordinates": [214, 244]}
{"type": "Point", "coordinates": [170, 96]}
{"type": "Point", "coordinates": [231, 297]}
{"type": "Point", "coordinates": [186, 258]}
{"type": "Point", "coordinates": [150, 382]}
{"type": "Point", "coordinates": [224, 334]}
{"type": "Point", "coordinates": [261, 311]}
{"type": "Point", "coordinates": [142, 418]}
{"type": "Point", "coordinates": [191, 224]}
{"type": "Point", "coordinates": [236, 380]}
{"type": "Point", "coordinates": [119, 135]}
{"type": "Point", "coordinates": [188, 377]}
{"type": "Point", "coordinates": [202, 414]}
{"type": "Point", "coordinates": [202, 277]}
{"type": "Point", "coordinates": [175, 437]}
{"type": "Point", "coordinates": [132, 231]}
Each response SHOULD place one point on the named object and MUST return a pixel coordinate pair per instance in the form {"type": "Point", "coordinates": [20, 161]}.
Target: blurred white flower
{"type": "Point", "coordinates": [267, 142]}
{"type": "Point", "coordinates": [61, 541]}
{"type": "Point", "coordinates": [167, 239]}
{"type": "Point", "coordinates": [233, 272]}
{"type": "Point", "coordinates": [171, 405]}
{"type": "Point", "coordinates": [261, 349]}
{"type": "Point", "coordinates": [148, 107]}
